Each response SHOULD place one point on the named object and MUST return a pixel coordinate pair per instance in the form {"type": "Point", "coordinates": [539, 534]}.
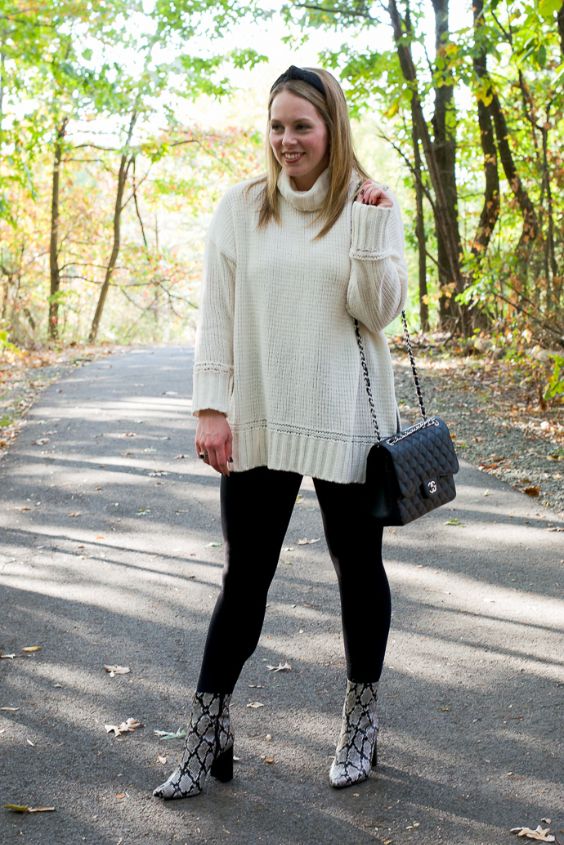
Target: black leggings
{"type": "Point", "coordinates": [256, 506]}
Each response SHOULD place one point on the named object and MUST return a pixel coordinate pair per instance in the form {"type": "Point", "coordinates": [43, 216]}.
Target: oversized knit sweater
{"type": "Point", "coordinates": [275, 346]}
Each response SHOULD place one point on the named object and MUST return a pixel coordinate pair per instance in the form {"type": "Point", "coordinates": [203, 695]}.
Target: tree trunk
{"type": "Point", "coordinates": [125, 163]}
{"type": "Point", "coordinates": [551, 264]}
{"type": "Point", "coordinates": [530, 222]}
{"type": "Point", "coordinates": [445, 217]}
{"type": "Point", "coordinates": [420, 231]}
{"type": "Point", "coordinates": [490, 206]}
{"type": "Point", "coordinates": [54, 272]}
{"type": "Point", "coordinates": [2, 79]}
{"type": "Point", "coordinates": [444, 149]}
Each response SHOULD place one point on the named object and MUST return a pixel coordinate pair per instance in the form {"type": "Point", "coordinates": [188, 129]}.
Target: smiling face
{"type": "Point", "coordinates": [299, 139]}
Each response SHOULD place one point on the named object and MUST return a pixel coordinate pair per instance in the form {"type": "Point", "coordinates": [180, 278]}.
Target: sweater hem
{"type": "Point", "coordinates": [343, 462]}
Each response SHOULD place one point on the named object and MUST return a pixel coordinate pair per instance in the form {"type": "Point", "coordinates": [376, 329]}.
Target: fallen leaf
{"type": "Point", "coordinates": [161, 759]}
{"type": "Point", "coordinates": [126, 727]}
{"type": "Point", "coordinates": [269, 759]}
{"type": "Point", "coordinates": [539, 834]}
{"type": "Point", "coordinates": [24, 808]}
{"type": "Point", "coordinates": [29, 649]}
{"type": "Point", "coordinates": [10, 709]}
{"type": "Point", "coordinates": [534, 490]}
{"type": "Point", "coordinates": [282, 667]}
{"type": "Point", "coordinates": [305, 542]}
{"type": "Point", "coordinates": [453, 521]}
{"type": "Point", "coordinates": [116, 670]}
{"type": "Point", "coordinates": [180, 734]}
{"type": "Point", "coordinates": [74, 513]}
{"type": "Point", "coordinates": [255, 704]}
{"type": "Point", "coordinates": [120, 795]}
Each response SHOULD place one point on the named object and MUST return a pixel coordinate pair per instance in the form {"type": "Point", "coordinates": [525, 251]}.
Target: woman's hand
{"type": "Point", "coordinates": [214, 440]}
{"type": "Point", "coordinates": [372, 194]}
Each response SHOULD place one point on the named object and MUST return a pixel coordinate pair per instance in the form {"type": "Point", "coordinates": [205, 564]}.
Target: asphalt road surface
{"type": "Point", "coordinates": [111, 554]}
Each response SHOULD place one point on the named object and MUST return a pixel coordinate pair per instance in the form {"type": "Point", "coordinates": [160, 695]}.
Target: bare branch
{"type": "Point", "coordinates": [348, 13]}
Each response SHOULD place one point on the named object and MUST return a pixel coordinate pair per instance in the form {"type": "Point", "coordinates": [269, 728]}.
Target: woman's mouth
{"type": "Point", "coordinates": [291, 158]}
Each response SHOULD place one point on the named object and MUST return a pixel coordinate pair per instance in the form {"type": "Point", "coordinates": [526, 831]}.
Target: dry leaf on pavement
{"type": "Point", "coordinates": [282, 667]}
{"type": "Point", "coordinates": [180, 734]}
{"type": "Point", "coordinates": [24, 808]}
{"type": "Point", "coordinates": [30, 649]}
{"type": "Point", "coordinates": [116, 670]}
{"type": "Point", "coordinates": [255, 704]}
{"type": "Point", "coordinates": [128, 726]}
{"type": "Point", "coordinates": [539, 834]}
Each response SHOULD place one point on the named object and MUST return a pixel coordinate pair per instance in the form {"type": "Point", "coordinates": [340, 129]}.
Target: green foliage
{"type": "Point", "coordinates": [67, 68]}
{"type": "Point", "coordinates": [6, 344]}
{"type": "Point", "coordinates": [555, 386]}
{"type": "Point", "coordinates": [513, 278]}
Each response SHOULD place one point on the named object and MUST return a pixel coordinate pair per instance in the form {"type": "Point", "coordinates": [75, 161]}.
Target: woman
{"type": "Point", "coordinates": [291, 259]}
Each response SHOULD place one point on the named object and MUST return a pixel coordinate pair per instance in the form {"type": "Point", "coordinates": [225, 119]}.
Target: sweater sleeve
{"type": "Point", "coordinates": [378, 284]}
{"type": "Point", "coordinates": [213, 360]}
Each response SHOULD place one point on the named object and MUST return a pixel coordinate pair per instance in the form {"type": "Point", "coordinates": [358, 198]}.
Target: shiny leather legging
{"type": "Point", "coordinates": [256, 506]}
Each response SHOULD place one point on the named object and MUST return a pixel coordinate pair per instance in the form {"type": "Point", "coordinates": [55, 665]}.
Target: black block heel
{"type": "Point", "coordinates": [375, 756]}
{"type": "Point", "coordinates": [222, 766]}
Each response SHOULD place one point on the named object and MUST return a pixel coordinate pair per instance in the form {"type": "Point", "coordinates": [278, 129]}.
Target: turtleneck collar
{"type": "Point", "coordinates": [311, 200]}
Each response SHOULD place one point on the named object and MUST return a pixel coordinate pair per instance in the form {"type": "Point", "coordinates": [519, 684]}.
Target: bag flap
{"type": "Point", "coordinates": [421, 455]}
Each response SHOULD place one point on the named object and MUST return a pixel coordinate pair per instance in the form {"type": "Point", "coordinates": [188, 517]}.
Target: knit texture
{"type": "Point", "coordinates": [275, 347]}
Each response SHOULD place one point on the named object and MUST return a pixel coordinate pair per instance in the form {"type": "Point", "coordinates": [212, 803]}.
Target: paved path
{"type": "Point", "coordinates": [110, 555]}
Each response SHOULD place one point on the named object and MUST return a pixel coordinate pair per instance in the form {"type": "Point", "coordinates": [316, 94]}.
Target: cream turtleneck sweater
{"type": "Point", "coordinates": [276, 349]}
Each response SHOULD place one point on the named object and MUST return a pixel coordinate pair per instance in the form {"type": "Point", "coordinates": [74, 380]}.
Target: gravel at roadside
{"type": "Point", "coordinates": [494, 418]}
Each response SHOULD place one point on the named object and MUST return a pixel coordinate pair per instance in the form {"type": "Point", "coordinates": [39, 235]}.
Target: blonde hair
{"type": "Point", "coordinates": [332, 108]}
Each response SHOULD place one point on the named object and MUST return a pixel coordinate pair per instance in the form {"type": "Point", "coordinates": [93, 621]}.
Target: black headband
{"type": "Point", "coordinates": [308, 76]}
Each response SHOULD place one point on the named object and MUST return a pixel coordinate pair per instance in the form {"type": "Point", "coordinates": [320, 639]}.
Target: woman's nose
{"type": "Point", "coordinates": [289, 139]}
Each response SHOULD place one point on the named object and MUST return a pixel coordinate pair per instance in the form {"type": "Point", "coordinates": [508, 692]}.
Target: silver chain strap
{"type": "Point", "coordinates": [367, 377]}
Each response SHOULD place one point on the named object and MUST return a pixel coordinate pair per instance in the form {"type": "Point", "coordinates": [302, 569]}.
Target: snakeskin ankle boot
{"type": "Point", "coordinates": [208, 748]}
{"type": "Point", "coordinates": [356, 748]}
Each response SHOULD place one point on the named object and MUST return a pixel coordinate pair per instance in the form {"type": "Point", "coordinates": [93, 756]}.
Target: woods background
{"type": "Point", "coordinates": [121, 122]}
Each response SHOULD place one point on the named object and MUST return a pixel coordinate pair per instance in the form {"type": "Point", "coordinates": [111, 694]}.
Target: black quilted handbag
{"type": "Point", "coordinates": [411, 472]}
